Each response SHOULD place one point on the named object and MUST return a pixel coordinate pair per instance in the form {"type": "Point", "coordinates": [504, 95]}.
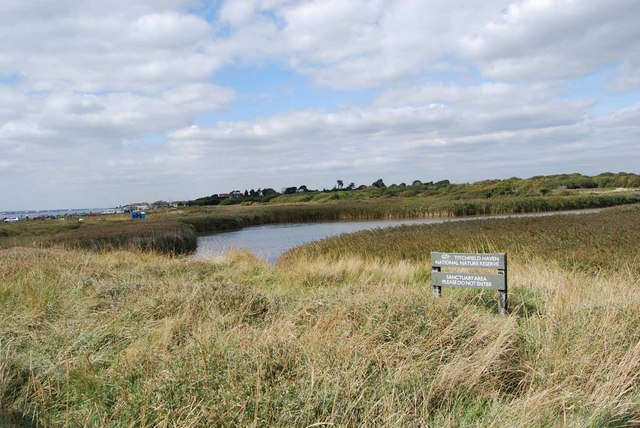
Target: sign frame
{"type": "Point", "coordinates": [498, 281]}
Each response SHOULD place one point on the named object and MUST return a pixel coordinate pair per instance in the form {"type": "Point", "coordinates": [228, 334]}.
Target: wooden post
{"type": "Point", "coordinates": [502, 299]}
{"type": "Point", "coordinates": [437, 291]}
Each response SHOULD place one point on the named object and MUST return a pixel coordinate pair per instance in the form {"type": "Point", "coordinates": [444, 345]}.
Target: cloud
{"type": "Point", "coordinates": [365, 44]}
{"type": "Point", "coordinates": [534, 40]}
{"type": "Point", "coordinates": [430, 132]}
{"type": "Point", "coordinates": [104, 102]}
{"type": "Point", "coordinates": [79, 118]}
{"type": "Point", "coordinates": [104, 46]}
{"type": "Point", "coordinates": [82, 142]}
{"type": "Point", "coordinates": [627, 78]}
{"type": "Point", "coordinates": [359, 44]}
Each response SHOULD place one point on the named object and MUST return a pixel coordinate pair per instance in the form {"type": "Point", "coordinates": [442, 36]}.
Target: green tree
{"type": "Point", "coordinates": [378, 183]}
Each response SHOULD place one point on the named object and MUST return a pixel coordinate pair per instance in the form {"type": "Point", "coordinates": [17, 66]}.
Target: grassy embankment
{"type": "Point", "coordinates": [344, 332]}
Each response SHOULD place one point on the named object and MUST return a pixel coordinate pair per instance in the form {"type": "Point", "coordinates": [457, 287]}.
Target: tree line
{"type": "Point", "coordinates": [534, 186]}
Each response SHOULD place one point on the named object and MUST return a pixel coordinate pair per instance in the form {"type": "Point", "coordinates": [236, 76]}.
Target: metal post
{"type": "Point", "coordinates": [437, 291]}
{"type": "Point", "coordinates": [502, 299]}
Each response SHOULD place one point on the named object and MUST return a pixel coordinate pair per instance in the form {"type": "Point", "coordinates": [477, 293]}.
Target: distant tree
{"type": "Point", "coordinates": [351, 186]}
{"type": "Point", "coordinates": [290, 190]}
{"type": "Point", "coordinates": [269, 192]}
{"type": "Point", "coordinates": [207, 200]}
{"type": "Point", "coordinates": [303, 189]}
{"type": "Point", "coordinates": [378, 183]}
{"type": "Point", "coordinates": [340, 184]}
{"type": "Point", "coordinates": [416, 183]}
{"type": "Point", "coordinates": [246, 193]}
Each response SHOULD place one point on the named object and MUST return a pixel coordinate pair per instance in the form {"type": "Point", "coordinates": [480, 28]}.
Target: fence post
{"type": "Point", "coordinates": [437, 291]}
{"type": "Point", "coordinates": [502, 300]}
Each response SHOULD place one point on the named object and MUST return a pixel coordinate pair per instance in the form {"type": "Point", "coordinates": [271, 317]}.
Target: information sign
{"type": "Point", "coordinates": [477, 262]}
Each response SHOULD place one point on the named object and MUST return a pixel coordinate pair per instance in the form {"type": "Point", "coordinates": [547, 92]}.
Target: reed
{"type": "Point", "coordinates": [592, 241]}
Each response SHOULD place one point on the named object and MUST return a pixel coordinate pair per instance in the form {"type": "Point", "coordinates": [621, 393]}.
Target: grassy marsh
{"type": "Point", "coordinates": [329, 336]}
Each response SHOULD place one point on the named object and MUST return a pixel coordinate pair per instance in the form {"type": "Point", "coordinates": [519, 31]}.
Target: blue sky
{"type": "Point", "coordinates": [105, 103]}
{"type": "Point", "coordinates": [271, 88]}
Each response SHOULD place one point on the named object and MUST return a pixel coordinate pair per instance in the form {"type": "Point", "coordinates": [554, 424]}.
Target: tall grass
{"type": "Point", "coordinates": [595, 240]}
{"type": "Point", "coordinates": [140, 339]}
{"type": "Point", "coordinates": [160, 236]}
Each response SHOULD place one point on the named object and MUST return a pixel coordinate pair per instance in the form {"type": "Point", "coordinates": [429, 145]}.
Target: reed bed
{"type": "Point", "coordinates": [591, 241]}
{"type": "Point", "coordinates": [328, 337]}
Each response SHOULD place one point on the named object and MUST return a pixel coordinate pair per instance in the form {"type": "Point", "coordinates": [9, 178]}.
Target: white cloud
{"type": "Point", "coordinates": [100, 98]}
{"type": "Point", "coordinates": [627, 78]}
{"type": "Point", "coordinates": [365, 44]}
{"type": "Point", "coordinates": [559, 39]}
{"type": "Point", "coordinates": [79, 118]}
{"type": "Point", "coordinates": [451, 135]}
{"type": "Point", "coordinates": [89, 47]}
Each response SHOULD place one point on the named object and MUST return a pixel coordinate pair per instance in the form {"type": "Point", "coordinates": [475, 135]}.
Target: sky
{"type": "Point", "coordinates": [108, 102]}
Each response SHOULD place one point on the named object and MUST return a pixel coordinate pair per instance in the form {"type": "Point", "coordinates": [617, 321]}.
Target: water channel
{"type": "Point", "coordinates": [272, 240]}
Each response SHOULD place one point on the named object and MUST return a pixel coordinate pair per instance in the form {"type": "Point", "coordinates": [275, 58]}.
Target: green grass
{"type": "Point", "coordinates": [334, 334]}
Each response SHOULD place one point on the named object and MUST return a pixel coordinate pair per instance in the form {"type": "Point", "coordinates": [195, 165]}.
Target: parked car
{"type": "Point", "coordinates": [11, 219]}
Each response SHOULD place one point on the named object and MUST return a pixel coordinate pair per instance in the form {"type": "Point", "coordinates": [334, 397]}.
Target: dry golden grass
{"type": "Point", "coordinates": [137, 339]}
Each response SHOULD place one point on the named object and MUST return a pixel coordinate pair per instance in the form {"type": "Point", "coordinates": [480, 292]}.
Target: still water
{"type": "Point", "coordinates": [271, 241]}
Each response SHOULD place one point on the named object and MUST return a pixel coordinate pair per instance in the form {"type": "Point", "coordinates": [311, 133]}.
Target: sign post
{"type": "Point", "coordinates": [497, 281]}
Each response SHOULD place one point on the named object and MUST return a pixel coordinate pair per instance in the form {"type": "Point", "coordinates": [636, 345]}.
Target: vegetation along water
{"type": "Point", "coordinates": [175, 231]}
